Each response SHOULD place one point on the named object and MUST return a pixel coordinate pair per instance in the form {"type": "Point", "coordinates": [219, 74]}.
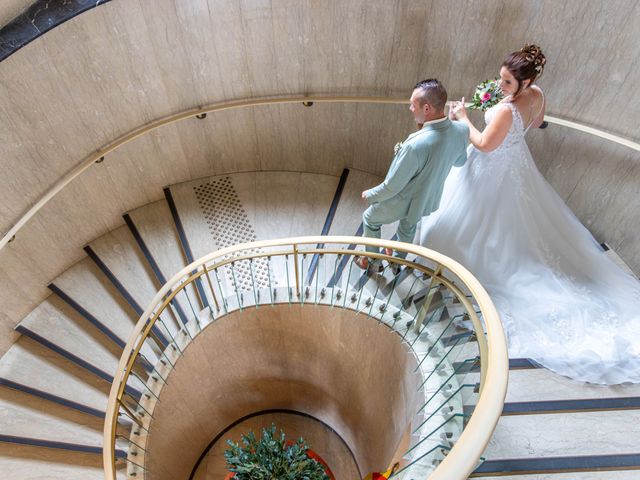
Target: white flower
{"type": "Point", "coordinates": [397, 148]}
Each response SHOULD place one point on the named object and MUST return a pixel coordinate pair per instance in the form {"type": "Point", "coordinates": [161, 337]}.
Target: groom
{"type": "Point", "coordinates": [413, 185]}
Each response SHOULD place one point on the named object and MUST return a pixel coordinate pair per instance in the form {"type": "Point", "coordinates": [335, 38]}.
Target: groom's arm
{"type": "Point", "coordinates": [464, 142]}
{"type": "Point", "coordinates": [403, 169]}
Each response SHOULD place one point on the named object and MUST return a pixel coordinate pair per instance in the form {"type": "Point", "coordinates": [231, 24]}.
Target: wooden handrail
{"type": "Point", "coordinates": [463, 457]}
{"type": "Point", "coordinates": [233, 104]}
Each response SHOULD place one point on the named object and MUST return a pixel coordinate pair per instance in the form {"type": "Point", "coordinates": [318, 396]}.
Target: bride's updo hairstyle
{"type": "Point", "coordinates": [525, 64]}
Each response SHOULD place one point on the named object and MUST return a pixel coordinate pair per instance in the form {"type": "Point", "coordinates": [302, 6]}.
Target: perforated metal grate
{"type": "Point", "coordinates": [229, 224]}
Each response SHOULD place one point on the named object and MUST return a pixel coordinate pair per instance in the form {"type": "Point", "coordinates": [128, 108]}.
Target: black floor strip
{"type": "Point", "coordinates": [123, 291]}
{"type": "Point", "coordinates": [73, 358]}
{"type": "Point", "coordinates": [335, 278]}
{"type": "Point", "coordinates": [184, 242]}
{"type": "Point", "coordinates": [449, 341]}
{"type": "Point", "coordinates": [86, 315]}
{"type": "Point", "coordinates": [50, 397]}
{"type": "Point", "coordinates": [74, 447]}
{"type": "Point", "coordinates": [327, 223]}
{"type": "Point", "coordinates": [153, 264]}
{"type": "Point", "coordinates": [522, 466]}
{"type": "Point", "coordinates": [517, 364]}
{"type": "Point", "coordinates": [567, 406]}
{"type": "Point", "coordinates": [522, 364]}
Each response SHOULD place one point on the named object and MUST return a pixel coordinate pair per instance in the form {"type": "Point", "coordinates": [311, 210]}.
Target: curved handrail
{"type": "Point", "coordinates": [463, 457]}
{"type": "Point", "coordinates": [233, 104]}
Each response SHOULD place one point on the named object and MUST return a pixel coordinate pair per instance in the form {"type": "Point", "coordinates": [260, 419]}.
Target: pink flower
{"type": "Point", "coordinates": [486, 96]}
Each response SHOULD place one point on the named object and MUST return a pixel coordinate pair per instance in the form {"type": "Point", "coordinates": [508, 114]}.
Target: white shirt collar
{"type": "Point", "coordinates": [431, 122]}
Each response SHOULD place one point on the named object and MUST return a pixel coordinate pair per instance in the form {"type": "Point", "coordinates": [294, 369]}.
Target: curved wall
{"type": "Point", "coordinates": [114, 68]}
{"type": "Point", "coordinates": [342, 368]}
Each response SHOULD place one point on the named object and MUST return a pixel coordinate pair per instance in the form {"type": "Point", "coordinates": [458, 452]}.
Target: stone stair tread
{"type": "Point", "coordinates": [56, 322]}
{"type": "Point", "coordinates": [571, 434]}
{"type": "Point", "coordinates": [120, 253]}
{"type": "Point", "coordinates": [266, 199]}
{"type": "Point", "coordinates": [24, 415]}
{"type": "Point", "coordinates": [540, 384]}
{"type": "Point", "coordinates": [157, 229]}
{"type": "Point", "coordinates": [32, 365]}
{"type": "Point", "coordinates": [21, 462]}
{"type": "Point", "coordinates": [87, 286]}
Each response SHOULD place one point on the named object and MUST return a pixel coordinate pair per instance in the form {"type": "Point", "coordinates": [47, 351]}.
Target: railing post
{"type": "Point", "coordinates": [295, 265]}
{"type": "Point", "coordinates": [213, 293]}
{"type": "Point", "coordinates": [427, 303]}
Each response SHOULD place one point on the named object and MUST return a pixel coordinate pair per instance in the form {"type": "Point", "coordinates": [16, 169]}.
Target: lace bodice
{"type": "Point", "coordinates": [516, 132]}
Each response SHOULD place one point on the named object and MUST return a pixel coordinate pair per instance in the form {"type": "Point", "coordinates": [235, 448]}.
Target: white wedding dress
{"type": "Point", "coordinates": [562, 301]}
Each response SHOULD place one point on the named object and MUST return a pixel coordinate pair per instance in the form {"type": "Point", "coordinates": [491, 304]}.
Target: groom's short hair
{"type": "Point", "coordinates": [433, 93]}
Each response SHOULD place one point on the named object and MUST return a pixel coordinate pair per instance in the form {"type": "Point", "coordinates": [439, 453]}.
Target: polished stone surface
{"type": "Point", "coordinates": [41, 16]}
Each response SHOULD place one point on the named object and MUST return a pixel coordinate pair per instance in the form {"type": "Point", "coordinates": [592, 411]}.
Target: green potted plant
{"type": "Point", "coordinates": [273, 458]}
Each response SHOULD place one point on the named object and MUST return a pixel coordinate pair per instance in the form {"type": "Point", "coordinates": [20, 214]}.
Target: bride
{"type": "Point", "coordinates": [562, 301]}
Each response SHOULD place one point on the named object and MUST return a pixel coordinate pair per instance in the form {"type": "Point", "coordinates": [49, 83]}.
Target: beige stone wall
{"type": "Point", "coordinates": [119, 66]}
{"type": "Point", "coordinates": [10, 9]}
{"type": "Point", "coordinates": [343, 369]}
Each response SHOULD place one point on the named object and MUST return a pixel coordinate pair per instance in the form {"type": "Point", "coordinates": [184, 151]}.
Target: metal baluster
{"type": "Point", "coordinates": [131, 415]}
{"type": "Point", "coordinates": [441, 360]}
{"type": "Point", "coordinates": [269, 278]}
{"type": "Point", "coordinates": [319, 269]}
{"type": "Point", "coordinates": [375, 294]}
{"type": "Point", "coordinates": [455, 415]}
{"type": "Point", "coordinates": [224, 300]}
{"type": "Point", "coordinates": [253, 283]}
{"type": "Point", "coordinates": [195, 315]}
{"type": "Point", "coordinates": [119, 435]}
{"type": "Point", "coordinates": [295, 265]}
{"type": "Point", "coordinates": [136, 464]}
{"type": "Point", "coordinates": [185, 329]}
{"type": "Point", "coordinates": [435, 343]}
{"type": "Point", "coordinates": [138, 403]}
{"type": "Point", "coordinates": [286, 266]}
{"type": "Point", "coordinates": [301, 295]}
{"type": "Point", "coordinates": [213, 293]}
{"type": "Point", "coordinates": [386, 305]}
{"type": "Point", "coordinates": [144, 383]}
{"type": "Point", "coordinates": [175, 343]}
{"type": "Point", "coordinates": [346, 289]}
{"type": "Point", "coordinates": [443, 404]}
{"type": "Point", "coordinates": [335, 268]}
{"type": "Point", "coordinates": [141, 355]}
{"type": "Point", "coordinates": [235, 285]}
{"type": "Point", "coordinates": [455, 372]}
{"type": "Point", "coordinates": [425, 325]}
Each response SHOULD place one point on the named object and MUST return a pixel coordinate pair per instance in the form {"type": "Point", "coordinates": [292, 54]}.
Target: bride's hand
{"type": "Point", "coordinates": [458, 111]}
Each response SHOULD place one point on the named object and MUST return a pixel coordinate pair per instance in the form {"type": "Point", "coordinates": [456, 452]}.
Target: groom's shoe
{"type": "Point", "coordinates": [395, 268]}
{"type": "Point", "coordinates": [365, 264]}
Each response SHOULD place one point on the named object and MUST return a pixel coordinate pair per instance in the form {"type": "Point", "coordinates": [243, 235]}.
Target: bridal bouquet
{"type": "Point", "coordinates": [487, 94]}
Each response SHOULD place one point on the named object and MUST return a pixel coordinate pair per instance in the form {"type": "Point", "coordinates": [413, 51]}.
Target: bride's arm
{"type": "Point", "coordinates": [493, 135]}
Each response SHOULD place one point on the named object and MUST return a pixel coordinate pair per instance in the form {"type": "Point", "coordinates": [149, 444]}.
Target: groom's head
{"type": "Point", "coordinates": [428, 100]}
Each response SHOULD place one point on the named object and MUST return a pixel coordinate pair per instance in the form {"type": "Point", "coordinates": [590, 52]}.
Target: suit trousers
{"type": "Point", "coordinates": [377, 215]}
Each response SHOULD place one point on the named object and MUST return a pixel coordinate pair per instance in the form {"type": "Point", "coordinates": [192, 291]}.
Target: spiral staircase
{"type": "Point", "coordinates": [63, 379]}
{"type": "Point", "coordinates": [57, 376]}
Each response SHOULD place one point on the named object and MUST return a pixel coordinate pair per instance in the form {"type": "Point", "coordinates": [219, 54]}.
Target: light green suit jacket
{"type": "Point", "coordinates": [413, 186]}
